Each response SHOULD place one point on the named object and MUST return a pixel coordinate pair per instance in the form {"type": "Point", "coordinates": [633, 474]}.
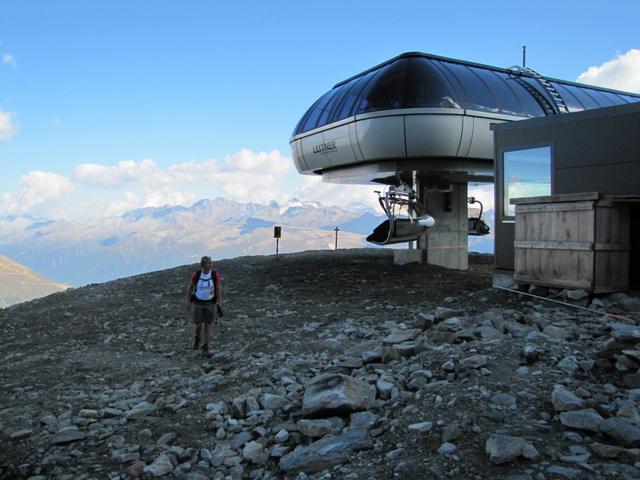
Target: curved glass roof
{"type": "Point", "coordinates": [418, 80]}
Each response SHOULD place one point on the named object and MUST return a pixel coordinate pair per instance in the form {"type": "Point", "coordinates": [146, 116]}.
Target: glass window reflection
{"type": "Point", "coordinates": [526, 173]}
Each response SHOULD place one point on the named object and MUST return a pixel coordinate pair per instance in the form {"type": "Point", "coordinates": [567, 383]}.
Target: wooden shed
{"type": "Point", "coordinates": [580, 241]}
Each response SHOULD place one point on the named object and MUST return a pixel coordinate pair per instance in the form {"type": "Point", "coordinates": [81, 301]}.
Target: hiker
{"type": "Point", "coordinates": [204, 296]}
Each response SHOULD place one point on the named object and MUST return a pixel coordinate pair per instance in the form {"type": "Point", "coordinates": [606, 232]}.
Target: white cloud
{"type": "Point", "coordinates": [8, 129]}
{"type": "Point", "coordinates": [8, 59]}
{"type": "Point", "coordinates": [128, 201]}
{"type": "Point", "coordinates": [311, 188]}
{"type": "Point", "coordinates": [190, 172]}
{"type": "Point", "coordinates": [247, 176]}
{"type": "Point", "coordinates": [484, 193]}
{"type": "Point", "coordinates": [621, 73]}
{"type": "Point", "coordinates": [247, 161]}
{"type": "Point", "coordinates": [36, 189]}
{"type": "Point", "coordinates": [125, 172]}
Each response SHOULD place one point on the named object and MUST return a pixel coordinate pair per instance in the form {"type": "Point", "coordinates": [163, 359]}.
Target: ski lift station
{"type": "Point", "coordinates": [423, 126]}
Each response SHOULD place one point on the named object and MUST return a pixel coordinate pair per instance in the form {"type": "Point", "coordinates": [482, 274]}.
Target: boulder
{"type": "Point", "coordinates": [333, 392]}
{"type": "Point", "coordinates": [504, 449]}
{"type": "Point", "coordinates": [399, 336]}
{"type": "Point", "coordinates": [564, 400]}
{"type": "Point", "coordinates": [160, 467]}
{"type": "Point", "coordinates": [622, 431]}
{"type": "Point", "coordinates": [587, 419]}
{"type": "Point", "coordinates": [326, 452]}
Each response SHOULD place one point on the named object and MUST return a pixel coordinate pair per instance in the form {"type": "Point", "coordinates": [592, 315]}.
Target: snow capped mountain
{"type": "Point", "coordinates": [153, 238]}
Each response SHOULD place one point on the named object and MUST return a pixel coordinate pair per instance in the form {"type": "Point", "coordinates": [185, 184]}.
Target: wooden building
{"type": "Point", "coordinates": [591, 156]}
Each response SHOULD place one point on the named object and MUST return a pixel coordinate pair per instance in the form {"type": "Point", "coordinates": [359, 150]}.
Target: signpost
{"type": "Point", "coordinates": [277, 232]}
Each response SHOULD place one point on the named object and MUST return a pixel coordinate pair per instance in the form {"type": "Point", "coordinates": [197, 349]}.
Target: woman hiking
{"type": "Point", "coordinates": [204, 297]}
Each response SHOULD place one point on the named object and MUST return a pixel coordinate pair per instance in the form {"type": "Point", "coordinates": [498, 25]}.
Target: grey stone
{"type": "Point", "coordinates": [282, 436]}
{"type": "Point", "coordinates": [565, 472]}
{"type": "Point", "coordinates": [67, 435]}
{"type": "Point", "coordinates": [384, 385]}
{"type": "Point", "coordinates": [451, 432]}
{"type": "Point", "coordinates": [447, 448]}
{"type": "Point", "coordinates": [530, 352]}
{"type": "Point", "coordinates": [564, 400]}
{"type": "Point", "coordinates": [504, 400]}
{"type": "Point", "coordinates": [20, 434]}
{"type": "Point", "coordinates": [624, 332]}
{"type": "Point", "coordinates": [577, 294]}
{"type": "Point", "coordinates": [326, 452]}
{"type": "Point", "coordinates": [363, 421]}
{"type": "Point", "coordinates": [622, 431]}
{"type": "Point", "coordinates": [587, 419]}
{"type": "Point", "coordinates": [442, 313]}
{"type": "Point", "coordinates": [607, 451]}
{"type": "Point", "coordinates": [425, 321]}
{"type": "Point", "coordinates": [560, 333]}
{"type": "Point", "coordinates": [254, 452]}
{"type": "Point", "coordinates": [244, 405]}
{"type": "Point", "coordinates": [337, 393]}
{"type": "Point", "coordinates": [372, 356]}
{"type": "Point", "coordinates": [319, 427]}
{"type": "Point", "coordinates": [504, 449]}
{"type": "Point", "coordinates": [569, 364]}
{"type": "Point", "coordinates": [421, 427]}
{"type": "Point", "coordinates": [240, 439]}
{"type": "Point", "coordinates": [218, 408]}
{"type": "Point", "coordinates": [399, 336]}
{"type": "Point", "coordinates": [448, 366]}
{"type": "Point", "coordinates": [141, 410]}
{"type": "Point", "coordinates": [405, 349]}
{"type": "Point", "coordinates": [453, 324]}
{"type": "Point", "coordinates": [475, 361]}
{"type": "Point", "coordinates": [161, 466]}
{"type": "Point", "coordinates": [273, 402]}
{"type": "Point", "coordinates": [165, 439]}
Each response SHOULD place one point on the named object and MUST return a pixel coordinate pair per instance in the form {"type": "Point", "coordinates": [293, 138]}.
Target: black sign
{"type": "Point", "coordinates": [277, 231]}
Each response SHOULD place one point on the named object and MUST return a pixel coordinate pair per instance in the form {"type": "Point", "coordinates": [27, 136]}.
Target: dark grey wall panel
{"type": "Point", "coordinates": [592, 151]}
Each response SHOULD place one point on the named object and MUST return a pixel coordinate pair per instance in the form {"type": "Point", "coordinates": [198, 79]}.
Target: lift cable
{"type": "Point", "coordinates": [597, 312]}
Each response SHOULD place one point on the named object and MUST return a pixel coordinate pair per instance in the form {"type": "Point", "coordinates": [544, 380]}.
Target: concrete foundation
{"type": "Point", "coordinates": [404, 256]}
{"type": "Point", "coordinates": [446, 244]}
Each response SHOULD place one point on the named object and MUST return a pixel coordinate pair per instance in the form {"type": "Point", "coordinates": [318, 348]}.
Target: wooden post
{"type": "Point", "coordinates": [277, 232]}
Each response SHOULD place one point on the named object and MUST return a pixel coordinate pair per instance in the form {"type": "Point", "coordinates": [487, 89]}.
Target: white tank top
{"type": "Point", "coordinates": [205, 286]}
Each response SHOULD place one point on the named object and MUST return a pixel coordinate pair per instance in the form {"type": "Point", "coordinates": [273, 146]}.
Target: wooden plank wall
{"type": "Point", "coordinates": [612, 248]}
{"type": "Point", "coordinates": [579, 244]}
{"type": "Point", "coordinates": [554, 244]}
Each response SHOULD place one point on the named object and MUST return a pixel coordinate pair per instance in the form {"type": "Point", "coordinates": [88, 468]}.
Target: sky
{"type": "Point", "coordinates": [106, 106]}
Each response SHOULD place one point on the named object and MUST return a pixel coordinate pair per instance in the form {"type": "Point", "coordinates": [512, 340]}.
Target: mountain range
{"type": "Point", "coordinates": [150, 239]}
{"type": "Point", "coordinates": [155, 238]}
{"type": "Point", "coordinates": [20, 284]}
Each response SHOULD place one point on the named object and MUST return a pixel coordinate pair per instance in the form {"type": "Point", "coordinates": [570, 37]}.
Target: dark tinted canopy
{"type": "Point", "coordinates": [416, 80]}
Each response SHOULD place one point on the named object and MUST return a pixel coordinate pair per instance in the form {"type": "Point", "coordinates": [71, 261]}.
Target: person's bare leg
{"type": "Point", "coordinates": [205, 337]}
{"type": "Point", "coordinates": [196, 342]}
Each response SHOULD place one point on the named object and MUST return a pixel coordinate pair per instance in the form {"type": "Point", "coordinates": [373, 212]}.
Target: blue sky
{"type": "Point", "coordinates": [111, 105]}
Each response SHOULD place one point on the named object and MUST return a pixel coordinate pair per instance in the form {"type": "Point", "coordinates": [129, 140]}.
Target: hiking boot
{"type": "Point", "coordinates": [205, 350]}
{"type": "Point", "coordinates": [196, 343]}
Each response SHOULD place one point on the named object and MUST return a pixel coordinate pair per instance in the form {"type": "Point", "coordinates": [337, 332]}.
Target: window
{"type": "Point", "coordinates": [526, 173]}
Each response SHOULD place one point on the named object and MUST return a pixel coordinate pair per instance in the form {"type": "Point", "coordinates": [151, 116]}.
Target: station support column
{"type": "Point", "coordinates": [446, 244]}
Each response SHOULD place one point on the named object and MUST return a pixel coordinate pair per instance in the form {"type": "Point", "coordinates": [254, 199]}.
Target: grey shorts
{"type": "Point", "coordinates": [204, 312]}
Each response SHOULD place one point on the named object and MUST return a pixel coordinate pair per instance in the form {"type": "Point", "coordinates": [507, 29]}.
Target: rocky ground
{"type": "Point", "coordinates": [325, 365]}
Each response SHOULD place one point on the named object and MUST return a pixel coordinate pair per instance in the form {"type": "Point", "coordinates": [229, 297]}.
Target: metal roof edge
{"type": "Point", "coordinates": [479, 65]}
{"type": "Point", "coordinates": [625, 109]}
